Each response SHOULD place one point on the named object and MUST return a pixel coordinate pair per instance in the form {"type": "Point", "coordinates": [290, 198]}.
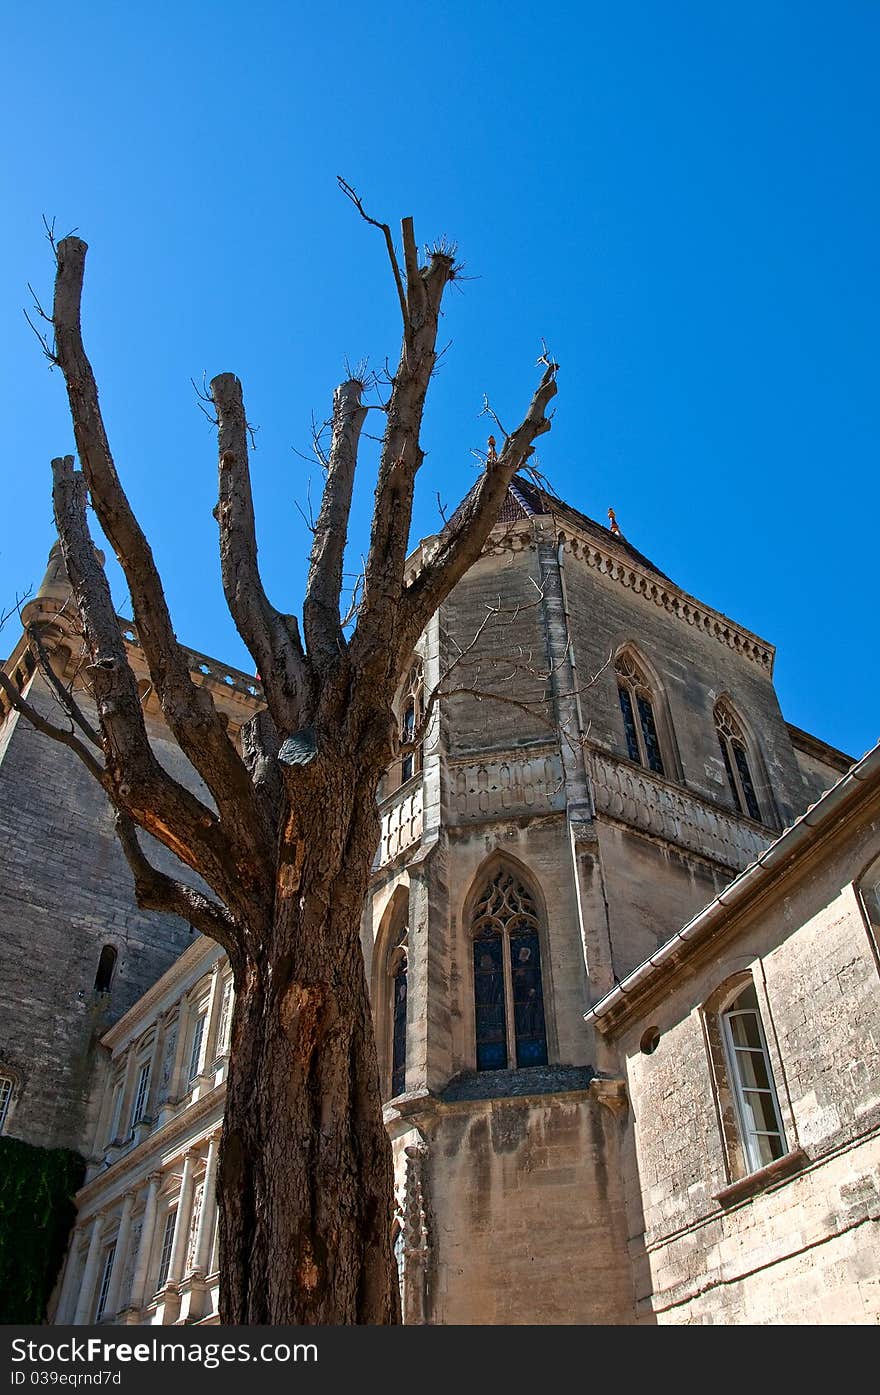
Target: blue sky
{"type": "Point", "coordinates": [681, 197]}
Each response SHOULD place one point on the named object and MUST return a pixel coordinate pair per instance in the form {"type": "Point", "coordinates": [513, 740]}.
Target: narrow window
{"type": "Point", "coordinates": [118, 1092]}
{"type": "Point", "coordinates": [509, 1018]}
{"type": "Point", "coordinates": [225, 1027]}
{"type": "Point", "coordinates": [637, 709]}
{"type": "Point", "coordinates": [106, 965]}
{"type": "Point", "coordinates": [5, 1099]}
{"type": "Point", "coordinates": [104, 1285]}
{"type": "Point", "coordinates": [195, 1055]}
{"type": "Point", "coordinates": [139, 1107]}
{"type": "Point", "coordinates": [398, 1023]}
{"type": "Point", "coordinates": [411, 712]}
{"type": "Point", "coordinates": [167, 1246]}
{"type": "Point", "coordinates": [732, 741]}
{"type": "Point", "coordinates": [751, 1077]}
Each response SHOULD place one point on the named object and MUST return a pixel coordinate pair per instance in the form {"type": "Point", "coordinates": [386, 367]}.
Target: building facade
{"type": "Point", "coordinates": [570, 1107]}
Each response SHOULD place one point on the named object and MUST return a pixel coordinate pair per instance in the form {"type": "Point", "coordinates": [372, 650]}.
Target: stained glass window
{"type": "Point", "coordinates": [732, 741]}
{"type": "Point", "coordinates": [508, 992]}
{"type": "Point", "coordinates": [398, 1026]}
{"type": "Point", "coordinates": [634, 693]}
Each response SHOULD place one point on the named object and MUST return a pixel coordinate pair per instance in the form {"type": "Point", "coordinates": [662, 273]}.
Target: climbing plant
{"type": "Point", "coordinates": [37, 1186]}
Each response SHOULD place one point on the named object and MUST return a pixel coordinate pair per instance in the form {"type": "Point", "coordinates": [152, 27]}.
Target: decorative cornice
{"type": "Point", "coordinates": [126, 1030]}
{"type": "Point", "coordinates": [620, 567]}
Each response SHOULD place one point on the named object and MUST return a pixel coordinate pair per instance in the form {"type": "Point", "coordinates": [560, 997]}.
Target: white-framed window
{"type": "Point", "coordinates": [141, 1091]}
{"type": "Point", "coordinates": [167, 1247]}
{"type": "Point", "coordinates": [751, 1079]}
{"type": "Point", "coordinates": [6, 1088]}
{"type": "Point", "coordinates": [104, 1285]}
{"type": "Point", "coordinates": [225, 1027]}
{"type": "Point", "coordinates": [116, 1116]}
{"type": "Point", "coordinates": [196, 1044]}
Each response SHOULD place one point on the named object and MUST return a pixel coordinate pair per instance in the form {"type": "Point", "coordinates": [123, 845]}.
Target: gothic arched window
{"type": "Point", "coordinates": [508, 993]}
{"type": "Point", "coordinates": [412, 706]}
{"type": "Point", "coordinates": [397, 969]}
{"type": "Point", "coordinates": [637, 707]}
{"type": "Point", "coordinates": [734, 749]}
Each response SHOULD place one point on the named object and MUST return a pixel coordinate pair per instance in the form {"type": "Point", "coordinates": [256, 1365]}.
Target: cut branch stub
{"type": "Point", "coordinates": [272, 638]}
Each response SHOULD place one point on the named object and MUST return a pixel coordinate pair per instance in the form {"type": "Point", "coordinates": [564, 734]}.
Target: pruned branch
{"type": "Point", "coordinates": [133, 777]}
{"type": "Point", "coordinates": [321, 607]}
{"type": "Point", "coordinates": [62, 694]}
{"type": "Point", "coordinates": [272, 638]}
{"type": "Point", "coordinates": [156, 891]}
{"type": "Point", "coordinates": [386, 231]}
{"type": "Point", "coordinates": [188, 708]}
{"type": "Point", "coordinates": [464, 540]}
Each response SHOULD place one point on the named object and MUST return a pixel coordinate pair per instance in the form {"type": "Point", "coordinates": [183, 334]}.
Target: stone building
{"type": "Point", "coordinates": [624, 976]}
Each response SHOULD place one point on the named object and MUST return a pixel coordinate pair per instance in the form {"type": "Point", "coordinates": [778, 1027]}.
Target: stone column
{"type": "Point", "coordinates": [143, 1255]}
{"type": "Point", "coordinates": [182, 1221]}
{"type": "Point", "coordinates": [65, 1298]}
{"type": "Point", "coordinates": [205, 1232]}
{"type": "Point", "coordinates": [111, 1305]}
{"type": "Point", "coordinates": [86, 1299]}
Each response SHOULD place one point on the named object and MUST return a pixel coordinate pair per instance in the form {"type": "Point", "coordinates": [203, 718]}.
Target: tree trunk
{"type": "Point", "coordinates": [306, 1182]}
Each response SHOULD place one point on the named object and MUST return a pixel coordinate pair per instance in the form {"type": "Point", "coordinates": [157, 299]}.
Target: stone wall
{"type": "Point", "coordinates": [798, 1243]}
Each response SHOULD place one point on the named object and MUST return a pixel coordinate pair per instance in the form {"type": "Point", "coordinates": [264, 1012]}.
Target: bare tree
{"type": "Point", "coordinates": [305, 1185]}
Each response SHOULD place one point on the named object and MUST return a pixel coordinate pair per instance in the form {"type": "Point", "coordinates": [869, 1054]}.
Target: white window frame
{"type": "Point", "coordinates": [7, 1089]}
{"type": "Point", "coordinates": [227, 1003]}
{"type": "Point", "coordinates": [197, 1044]}
{"type": "Point", "coordinates": [106, 1275]}
{"type": "Point", "coordinates": [748, 1134]}
{"type": "Point", "coordinates": [166, 1247]}
{"type": "Point", "coordinates": [141, 1094]}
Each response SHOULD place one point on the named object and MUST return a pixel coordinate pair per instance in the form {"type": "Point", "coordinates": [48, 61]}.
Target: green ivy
{"type": "Point", "coordinates": [37, 1186]}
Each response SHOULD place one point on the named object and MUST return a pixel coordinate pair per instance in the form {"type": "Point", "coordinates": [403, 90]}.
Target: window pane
{"type": "Point", "coordinates": [398, 1039]}
{"type": "Point", "coordinates": [5, 1097]}
{"type": "Point", "coordinates": [629, 724]}
{"type": "Point", "coordinates": [649, 732]}
{"type": "Point", "coordinates": [489, 1012]}
{"type": "Point", "coordinates": [745, 776]}
{"type": "Point", "coordinates": [528, 999]}
{"type": "Point", "coordinates": [167, 1244]}
{"type": "Point", "coordinates": [745, 1031]}
{"type": "Point", "coordinates": [729, 768]}
{"type": "Point", "coordinates": [753, 1070]}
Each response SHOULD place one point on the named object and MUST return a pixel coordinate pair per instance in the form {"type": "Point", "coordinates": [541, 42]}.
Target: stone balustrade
{"type": "Point", "coordinates": [401, 815]}
{"type": "Point", "coordinates": [524, 782]}
{"type": "Point", "coordinates": [643, 800]}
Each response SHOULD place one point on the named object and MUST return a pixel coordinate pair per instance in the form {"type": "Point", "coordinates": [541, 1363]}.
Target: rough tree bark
{"type": "Point", "coordinates": [305, 1182]}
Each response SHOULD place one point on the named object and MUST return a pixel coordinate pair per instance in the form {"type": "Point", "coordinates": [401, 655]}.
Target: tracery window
{"type": "Point", "coordinates": [637, 709]}
{"type": "Point", "coordinates": [412, 707]}
{"type": "Point", "coordinates": [751, 1076]}
{"type": "Point", "coordinates": [509, 1018]}
{"type": "Point", "coordinates": [734, 750]}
